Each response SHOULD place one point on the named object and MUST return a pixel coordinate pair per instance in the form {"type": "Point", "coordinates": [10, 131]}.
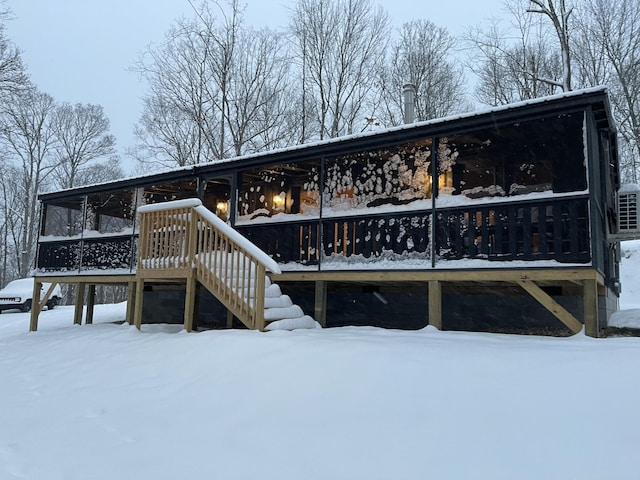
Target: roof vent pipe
{"type": "Point", "coordinates": [409, 96]}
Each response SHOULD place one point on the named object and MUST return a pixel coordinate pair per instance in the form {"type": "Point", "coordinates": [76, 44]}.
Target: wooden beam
{"type": "Point", "coordinates": [229, 319]}
{"type": "Point", "coordinates": [45, 298]}
{"type": "Point", "coordinates": [77, 314]}
{"type": "Point", "coordinates": [456, 275]}
{"type": "Point", "coordinates": [35, 311]}
{"type": "Point", "coordinates": [435, 304]}
{"type": "Point", "coordinates": [91, 302]}
{"type": "Point", "coordinates": [189, 303]}
{"type": "Point", "coordinates": [550, 304]}
{"type": "Point", "coordinates": [97, 279]}
{"type": "Point", "coordinates": [590, 298]}
{"type": "Point", "coordinates": [320, 306]}
{"type": "Point", "coordinates": [137, 311]}
{"type": "Point", "coordinates": [131, 302]}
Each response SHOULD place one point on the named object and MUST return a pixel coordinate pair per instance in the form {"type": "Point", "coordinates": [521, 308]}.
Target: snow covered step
{"type": "Point", "coordinates": [278, 302]}
{"type": "Point", "coordinates": [279, 313]}
{"type": "Point", "coordinates": [272, 291]}
{"type": "Point", "coordinates": [305, 322]}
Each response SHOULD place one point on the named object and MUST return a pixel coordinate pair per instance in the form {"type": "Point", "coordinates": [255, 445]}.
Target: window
{"type": "Point", "coordinates": [278, 192]}
{"type": "Point", "coordinates": [397, 175]}
{"type": "Point", "coordinates": [64, 218]}
{"type": "Point", "coordinates": [110, 212]}
{"type": "Point", "coordinates": [544, 155]}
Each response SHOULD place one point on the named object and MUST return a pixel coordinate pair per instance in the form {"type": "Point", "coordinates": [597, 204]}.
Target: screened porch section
{"type": "Point", "coordinates": [512, 192]}
{"type": "Point", "coordinates": [518, 192]}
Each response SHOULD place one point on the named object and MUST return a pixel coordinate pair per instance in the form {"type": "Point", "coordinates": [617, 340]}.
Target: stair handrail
{"type": "Point", "coordinates": [184, 234]}
{"type": "Point", "coordinates": [231, 267]}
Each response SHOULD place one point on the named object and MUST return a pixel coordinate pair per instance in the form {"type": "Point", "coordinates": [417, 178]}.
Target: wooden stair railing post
{"type": "Point", "coordinates": [191, 234]}
{"type": "Point", "coordinates": [259, 293]}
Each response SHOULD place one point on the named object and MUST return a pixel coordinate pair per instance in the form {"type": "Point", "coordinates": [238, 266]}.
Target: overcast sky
{"type": "Point", "coordinates": [81, 50]}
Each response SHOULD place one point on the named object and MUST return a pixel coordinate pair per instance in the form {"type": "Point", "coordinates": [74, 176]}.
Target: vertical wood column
{"type": "Point", "coordinates": [91, 301]}
{"type": "Point", "coordinates": [260, 290]}
{"type": "Point", "coordinates": [590, 297]}
{"type": "Point", "coordinates": [435, 304]}
{"type": "Point", "coordinates": [35, 305]}
{"type": "Point", "coordinates": [189, 302]}
{"type": "Point", "coordinates": [77, 314]}
{"type": "Point", "coordinates": [229, 319]}
{"type": "Point", "coordinates": [320, 306]}
{"type": "Point", "coordinates": [137, 311]}
{"type": "Point", "coordinates": [131, 301]}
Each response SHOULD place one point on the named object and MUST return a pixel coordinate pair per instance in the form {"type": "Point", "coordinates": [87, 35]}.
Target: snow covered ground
{"type": "Point", "coordinates": [106, 401]}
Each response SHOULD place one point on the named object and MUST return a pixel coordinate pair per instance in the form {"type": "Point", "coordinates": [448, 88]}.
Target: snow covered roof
{"type": "Point", "coordinates": [595, 96]}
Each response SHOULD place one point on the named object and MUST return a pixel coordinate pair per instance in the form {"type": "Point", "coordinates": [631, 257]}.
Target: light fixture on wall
{"type": "Point", "coordinates": [278, 201]}
{"type": "Point", "coordinates": [222, 208]}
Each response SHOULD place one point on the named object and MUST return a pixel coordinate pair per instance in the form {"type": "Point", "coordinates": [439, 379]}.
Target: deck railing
{"type": "Point", "coordinates": [183, 238]}
{"type": "Point", "coordinates": [540, 229]}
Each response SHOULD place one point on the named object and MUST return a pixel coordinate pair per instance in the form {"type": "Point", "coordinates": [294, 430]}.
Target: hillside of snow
{"type": "Point", "coordinates": [106, 401]}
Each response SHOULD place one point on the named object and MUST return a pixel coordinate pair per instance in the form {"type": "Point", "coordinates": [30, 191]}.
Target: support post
{"type": "Point", "coordinates": [189, 302]}
{"type": "Point", "coordinates": [229, 319]}
{"type": "Point", "coordinates": [259, 296]}
{"type": "Point", "coordinates": [131, 301]}
{"type": "Point", "coordinates": [35, 304]}
{"type": "Point", "coordinates": [320, 308]}
{"type": "Point", "coordinates": [137, 311]}
{"type": "Point", "coordinates": [590, 297]}
{"type": "Point", "coordinates": [77, 314]}
{"type": "Point", "coordinates": [91, 301]}
{"type": "Point", "coordinates": [435, 304]}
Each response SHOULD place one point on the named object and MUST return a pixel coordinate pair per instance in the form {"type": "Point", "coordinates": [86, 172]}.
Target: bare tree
{"type": "Point", "coordinates": [100, 172]}
{"type": "Point", "coordinates": [167, 135]}
{"type": "Point", "coordinates": [221, 38]}
{"type": "Point", "coordinates": [181, 99]}
{"type": "Point", "coordinates": [27, 135]}
{"type": "Point", "coordinates": [423, 56]}
{"type": "Point", "coordinates": [339, 43]}
{"type": "Point", "coordinates": [10, 192]}
{"type": "Point", "coordinates": [82, 134]}
{"type": "Point", "coordinates": [613, 29]}
{"type": "Point", "coordinates": [558, 13]}
{"type": "Point", "coordinates": [13, 75]}
{"type": "Point", "coordinates": [512, 64]}
{"type": "Point", "coordinates": [214, 86]}
{"type": "Point", "coordinates": [258, 79]}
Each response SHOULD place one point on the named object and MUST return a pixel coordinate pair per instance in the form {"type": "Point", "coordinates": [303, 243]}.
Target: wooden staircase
{"type": "Point", "coordinates": [182, 240]}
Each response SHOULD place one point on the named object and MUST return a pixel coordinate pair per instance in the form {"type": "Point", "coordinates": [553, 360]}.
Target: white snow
{"type": "Point", "coordinates": [107, 401]}
{"type": "Point", "coordinates": [157, 207]}
{"type": "Point", "coordinates": [630, 275]}
{"type": "Point", "coordinates": [629, 187]}
{"type": "Point", "coordinates": [293, 323]}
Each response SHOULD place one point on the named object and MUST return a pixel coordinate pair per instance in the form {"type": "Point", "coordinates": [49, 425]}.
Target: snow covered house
{"type": "Point", "coordinates": [501, 220]}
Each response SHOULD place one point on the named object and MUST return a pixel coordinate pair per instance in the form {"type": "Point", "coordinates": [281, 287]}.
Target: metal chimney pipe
{"type": "Point", "coordinates": [409, 96]}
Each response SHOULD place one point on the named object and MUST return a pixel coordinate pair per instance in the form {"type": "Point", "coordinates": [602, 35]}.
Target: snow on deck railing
{"type": "Point", "coordinates": [172, 205]}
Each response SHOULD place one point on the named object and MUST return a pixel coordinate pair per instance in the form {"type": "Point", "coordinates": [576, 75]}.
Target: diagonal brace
{"type": "Point", "coordinates": [550, 304]}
